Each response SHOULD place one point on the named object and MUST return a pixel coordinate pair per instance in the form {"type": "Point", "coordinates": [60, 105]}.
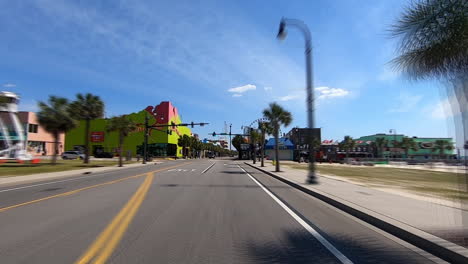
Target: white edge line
{"type": "Point", "coordinates": [208, 168]}
{"type": "Point", "coordinates": [310, 229]}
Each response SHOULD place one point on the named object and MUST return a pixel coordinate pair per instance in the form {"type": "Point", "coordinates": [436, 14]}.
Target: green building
{"type": "Point", "coordinates": [425, 147]}
{"type": "Point", "coordinates": [162, 142]}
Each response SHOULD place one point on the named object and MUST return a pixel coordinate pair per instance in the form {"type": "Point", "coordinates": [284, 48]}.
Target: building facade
{"type": "Point", "coordinates": [300, 138]}
{"type": "Point", "coordinates": [38, 141]}
{"type": "Point", "coordinates": [162, 141]}
{"type": "Point", "coordinates": [424, 147]}
{"type": "Point", "coordinates": [286, 149]}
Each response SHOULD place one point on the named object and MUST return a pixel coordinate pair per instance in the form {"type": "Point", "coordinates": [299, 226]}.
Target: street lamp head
{"type": "Point", "coordinates": [282, 33]}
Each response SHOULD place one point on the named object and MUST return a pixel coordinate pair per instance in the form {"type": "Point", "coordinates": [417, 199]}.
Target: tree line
{"type": "Point", "coordinates": [60, 115]}
{"type": "Point", "coordinates": [194, 148]}
{"type": "Point", "coordinates": [406, 144]}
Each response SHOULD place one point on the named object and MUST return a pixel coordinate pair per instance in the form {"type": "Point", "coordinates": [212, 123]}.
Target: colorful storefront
{"type": "Point", "coordinates": [162, 141]}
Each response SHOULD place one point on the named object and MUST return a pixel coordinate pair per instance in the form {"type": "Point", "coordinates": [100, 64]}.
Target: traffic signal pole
{"type": "Point", "coordinates": [148, 127]}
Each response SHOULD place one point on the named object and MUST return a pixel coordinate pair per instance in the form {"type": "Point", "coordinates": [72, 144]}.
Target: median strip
{"type": "Point", "coordinates": [104, 245]}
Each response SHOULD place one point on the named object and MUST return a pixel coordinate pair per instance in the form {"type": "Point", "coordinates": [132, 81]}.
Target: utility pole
{"type": "Point", "coordinates": [145, 142]}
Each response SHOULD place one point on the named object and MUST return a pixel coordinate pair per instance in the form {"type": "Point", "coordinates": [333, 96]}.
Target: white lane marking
{"type": "Point", "coordinates": [310, 229]}
{"type": "Point", "coordinates": [208, 167]}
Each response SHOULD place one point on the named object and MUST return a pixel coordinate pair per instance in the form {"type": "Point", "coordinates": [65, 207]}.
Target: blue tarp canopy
{"type": "Point", "coordinates": [284, 143]}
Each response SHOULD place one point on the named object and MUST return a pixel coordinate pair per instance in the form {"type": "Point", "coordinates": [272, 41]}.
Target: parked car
{"type": "Point", "coordinates": [72, 155]}
{"type": "Point", "coordinates": [211, 155]}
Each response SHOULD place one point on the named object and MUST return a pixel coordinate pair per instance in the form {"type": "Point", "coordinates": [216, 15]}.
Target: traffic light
{"type": "Point", "coordinates": [191, 124]}
{"type": "Point", "coordinates": [214, 134]}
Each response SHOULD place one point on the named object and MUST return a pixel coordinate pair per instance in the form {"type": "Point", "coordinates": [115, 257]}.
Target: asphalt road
{"type": "Point", "coordinates": [202, 211]}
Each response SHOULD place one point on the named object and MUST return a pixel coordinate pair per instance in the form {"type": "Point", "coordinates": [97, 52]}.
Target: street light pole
{"type": "Point", "coordinates": [230, 139]}
{"type": "Point", "coordinates": [309, 88]}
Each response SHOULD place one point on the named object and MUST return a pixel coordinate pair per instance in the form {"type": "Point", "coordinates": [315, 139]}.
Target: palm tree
{"type": "Point", "coordinates": [196, 146]}
{"type": "Point", "coordinates": [123, 126]}
{"type": "Point", "coordinates": [54, 118]}
{"type": "Point", "coordinates": [381, 143]}
{"type": "Point", "coordinates": [433, 44]}
{"type": "Point", "coordinates": [236, 142]}
{"type": "Point", "coordinates": [347, 144]}
{"type": "Point", "coordinates": [433, 35]}
{"type": "Point", "coordinates": [184, 142]}
{"type": "Point", "coordinates": [264, 129]}
{"type": "Point", "coordinates": [255, 137]}
{"type": "Point", "coordinates": [277, 117]}
{"type": "Point", "coordinates": [87, 107]}
{"type": "Point", "coordinates": [442, 145]}
{"type": "Point", "coordinates": [406, 144]}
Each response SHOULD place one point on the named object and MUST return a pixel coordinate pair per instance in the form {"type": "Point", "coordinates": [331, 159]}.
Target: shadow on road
{"type": "Point", "coordinates": [220, 186]}
{"type": "Point", "coordinates": [299, 247]}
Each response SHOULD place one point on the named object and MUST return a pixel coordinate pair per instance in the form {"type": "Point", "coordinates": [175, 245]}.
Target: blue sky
{"type": "Point", "coordinates": [220, 61]}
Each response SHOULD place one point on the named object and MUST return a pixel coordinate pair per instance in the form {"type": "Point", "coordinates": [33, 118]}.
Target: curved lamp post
{"type": "Point", "coordinates": [311, 178]}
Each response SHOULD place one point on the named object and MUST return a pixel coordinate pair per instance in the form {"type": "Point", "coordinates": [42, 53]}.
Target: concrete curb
{"type": "Point", "coordinates": [439, 247]}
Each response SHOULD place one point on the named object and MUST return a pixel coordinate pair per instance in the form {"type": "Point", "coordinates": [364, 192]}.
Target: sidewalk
{"type": "Point", "coordinates": [442, 221]}
{"type": "Point", "coordinates": [10, 180]}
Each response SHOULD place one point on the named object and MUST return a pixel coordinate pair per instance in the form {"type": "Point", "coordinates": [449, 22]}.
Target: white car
{"type": "Point", "coordinates": [72, 155]}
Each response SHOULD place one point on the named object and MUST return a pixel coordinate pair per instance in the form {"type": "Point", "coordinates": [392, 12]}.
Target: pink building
{"type": "Point", "coordinates": [39, 141]}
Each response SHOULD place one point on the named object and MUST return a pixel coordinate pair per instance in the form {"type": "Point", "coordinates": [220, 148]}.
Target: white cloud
{"type": "Point", "coordinates": [325, 92]}
{"type": "Point", "coordinates": [236, 95]}
{"type": "Point", "coordinates": [287, 97]}
{"type": "Point", "coordinates": [145, 43]}
{"type": "Point", "coordinates": [406, 102]}
{"type": "Point", "coordinates": [267, 88]}
{"type": "Point", "coordinates": [9, 85]}
{"type": "Point", "coordinates": [242, 89]}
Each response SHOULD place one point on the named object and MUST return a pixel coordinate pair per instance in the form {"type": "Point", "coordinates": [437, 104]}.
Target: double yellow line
{"type": "Point", "coordinates": [104, 245]}
{"type": "Point", "coordinates": [106, 242]}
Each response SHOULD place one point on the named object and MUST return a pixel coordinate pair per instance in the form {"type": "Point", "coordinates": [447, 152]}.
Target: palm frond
{"type": "Point", "coordinates": [433, 39]}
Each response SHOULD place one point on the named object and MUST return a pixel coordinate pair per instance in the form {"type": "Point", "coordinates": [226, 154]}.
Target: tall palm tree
{"type": "Point", "coordinates": [87, 107]}
{"type": "Point", "coordinates": [347, 144]}
{"type": "Point", "coordinates": [54, 118]}
{"type": "Point", "coordinates": [236, 142]}
{"type": "Point", "coordinates": [277, 117]}
{"type": "Point", "coordinates": [255, 137]}
{"type": "Point", "coordinates": [264, 129]}
{"type": "Point", "coordinates": [381, 143]}
{"type": "Point", "coordinates": [442, 145]}
{"type": "Point", "coordinates": [184, 142]}
{"type": "Point", "coordinates": [433, 38]}
{"type": "Point", "coordinates": [123, 126]}
{"type": "Point", "coordinates": [406, 144]}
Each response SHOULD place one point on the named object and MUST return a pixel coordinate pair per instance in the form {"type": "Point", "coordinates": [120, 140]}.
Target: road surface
{"type": "Point", "coordinates": [200, 211]}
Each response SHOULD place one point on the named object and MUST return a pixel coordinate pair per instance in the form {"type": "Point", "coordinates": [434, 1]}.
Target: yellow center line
{"type": "Point", "coordinates": [85, 188]}
{"type": "Point", "coordinates": [109, 238]}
